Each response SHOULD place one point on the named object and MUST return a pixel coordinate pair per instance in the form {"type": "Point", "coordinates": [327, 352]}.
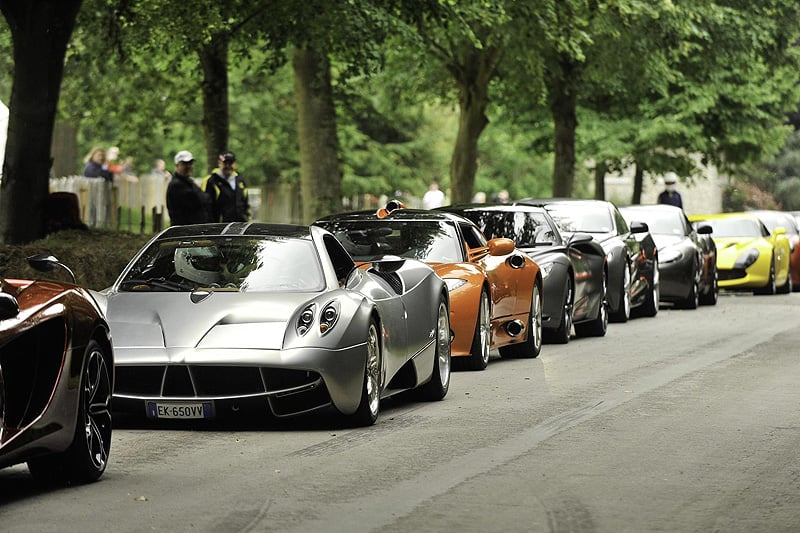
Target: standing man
{"type": "Point", "coordinates": [433, 197]}
{"type": "Point", "coordinates": [186, 202]}
{"type": "Point", "coordinates": [669, 195]}
{"type": "Point", "coordinates": [228, 191]}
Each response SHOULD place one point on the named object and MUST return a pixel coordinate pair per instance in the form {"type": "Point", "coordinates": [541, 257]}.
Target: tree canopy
{"type": "Point", "coordinates": [480, 95]}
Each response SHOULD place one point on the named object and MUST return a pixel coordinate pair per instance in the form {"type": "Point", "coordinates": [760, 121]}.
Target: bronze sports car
{"type": "Point", "coordinates": [56, 379]}
{"type": "Point", "coordinates": [495, 290]}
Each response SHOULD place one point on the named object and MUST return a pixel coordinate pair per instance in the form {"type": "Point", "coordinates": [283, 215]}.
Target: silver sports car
{"type": "Point", "coordinates": [214, 317]}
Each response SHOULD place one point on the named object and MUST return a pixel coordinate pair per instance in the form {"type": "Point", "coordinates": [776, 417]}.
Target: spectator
{"type": "Point", "coordinates": [227, 191]}
{"type": "Point", "coordinates": [112, 161]}
{"type": "Point", "coordinates": [479, 198]}
{"type": "Point", "coordinates": [434, 197]}
{"type": "Point", "coordinates": [159, 169]}
{"type": "Point", "coordinates": [95, 165]}
{"type": "Point", "coordinates": [669, 195]}
{"type": "Point", "coordinates": [501, 197]}
{"type": "Point", "coordinates": [186, 202]}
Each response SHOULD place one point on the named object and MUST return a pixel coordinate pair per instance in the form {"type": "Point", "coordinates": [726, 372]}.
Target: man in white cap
{"type": "Point", "coordinates": [186, 202]}
{"type": "Point", "coordinates": [669, 195]}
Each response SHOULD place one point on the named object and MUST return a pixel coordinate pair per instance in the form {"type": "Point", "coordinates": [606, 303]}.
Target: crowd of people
{"type": "Point", "coordinates": [221, 197]}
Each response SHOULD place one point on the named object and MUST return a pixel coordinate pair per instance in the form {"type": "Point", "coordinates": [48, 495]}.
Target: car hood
{"type": "Point", "coordinates": [665, 241]}
{"type": "Point", "coordinates": [221, 320]}
{"type": "Point", "coordinates": [730, 248]}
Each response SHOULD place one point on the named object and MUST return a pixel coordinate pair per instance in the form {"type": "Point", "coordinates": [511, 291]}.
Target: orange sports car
{"type": "Point", "coordinates": [495, 290]}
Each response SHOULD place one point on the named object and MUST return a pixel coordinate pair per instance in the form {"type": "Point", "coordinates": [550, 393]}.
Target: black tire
{"type": "Point", "coordinates": [693, 300]}
{"type": "Point", "coordinates": [786, 288]}
{"type": "Point", "coordinates": [369, 406]}
{"type": "Point", "coordinates": [87, 456]}
{"type": "Point", "coordinates": [481, 340]}
{"type": "Point", "coordinates": [623, 312]}
{"type": "Point", "coordinates": [436, 389]}
{"type": "Point", "coordinates": [532, 345]}
{"type": "Point", "coordinates": [560, 335]}
{"type": "Point", "coordinates": [770, 288]}
{"type": "Point", "coordinates": [598, 326]}
{"type": "Point", "coordinates": [650, 305]}
{"type": "Point", "coordinates": [711, 296]}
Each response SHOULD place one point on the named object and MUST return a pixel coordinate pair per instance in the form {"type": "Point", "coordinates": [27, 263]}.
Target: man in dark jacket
{"type": "Point", "coordinates": [227, 191]}
{"type": "Point", "coordinates": [186, 202]}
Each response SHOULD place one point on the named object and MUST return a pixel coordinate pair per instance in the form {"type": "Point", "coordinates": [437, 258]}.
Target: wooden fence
{"type": "Point", "coordinates": [138, 204]}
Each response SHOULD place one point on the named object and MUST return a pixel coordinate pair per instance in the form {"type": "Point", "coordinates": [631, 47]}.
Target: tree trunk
{"type": "Point", "coordinates": [320, 170]}
{"type": "Point", "coordinates": [216, 118]}
{"type": "Point", "coordinates": [562, 106]}
{"type": "Point", "coordinates": [600, 170]}
{"type": "Point", "coordinates": [40, 30]}
{"type": "Point", "coordinates": [473, 76]}
{"type": "Point", "coordinates": [638, 179]}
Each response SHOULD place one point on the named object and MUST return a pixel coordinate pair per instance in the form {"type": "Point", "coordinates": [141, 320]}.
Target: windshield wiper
{"type": "Point", "coordinates": [158, 283]}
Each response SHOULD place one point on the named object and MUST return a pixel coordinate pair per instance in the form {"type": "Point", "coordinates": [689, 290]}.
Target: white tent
{"type": "Point", "coordinates": [3, 133]}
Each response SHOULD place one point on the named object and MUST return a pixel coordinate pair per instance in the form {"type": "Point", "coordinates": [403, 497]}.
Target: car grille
{"type": "Point", "coordinates": [734, 273]}
{"type": "Point", "coordinates": [190, 381]}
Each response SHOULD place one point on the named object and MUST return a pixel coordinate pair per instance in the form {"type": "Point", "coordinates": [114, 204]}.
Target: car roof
{"type": "Point", "coordinates": [512, 207]}
{"type": "Point", "coordinates": [550, 201]}
{"type": "Point", "coordinates": [255, 229]}
{"type": "Point", "coordinates": [403, 213]}
{"type": "Point", "coordinates": [650, 207]}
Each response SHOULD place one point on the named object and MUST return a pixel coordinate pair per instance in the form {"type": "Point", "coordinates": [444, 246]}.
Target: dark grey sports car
{"type": "Point", "coordinates": [573, 270]}
{"type": "Point", "coordinates": [687, 257]}
{"type": "Point", "coordinates": [633, 284]}
{"type": "Point", "coordinates": [211, 318]}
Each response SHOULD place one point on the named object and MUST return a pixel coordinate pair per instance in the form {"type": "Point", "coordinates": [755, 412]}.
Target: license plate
{"type": "Point", "coordinates": [180, 410]}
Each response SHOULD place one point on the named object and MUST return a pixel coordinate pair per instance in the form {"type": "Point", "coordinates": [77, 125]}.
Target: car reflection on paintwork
{"type": "Point", "coordinates": [573, 270]}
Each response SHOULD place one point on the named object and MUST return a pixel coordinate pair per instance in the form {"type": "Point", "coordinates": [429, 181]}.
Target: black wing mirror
{"type": "Point", "coordinates": [704, 229]}
{"type": "Point", "coordinates": [47, 263]}
{"type": "Point", "coordinates": [639, 227]}
{"type": "Point", "coordinates": [9, 307]}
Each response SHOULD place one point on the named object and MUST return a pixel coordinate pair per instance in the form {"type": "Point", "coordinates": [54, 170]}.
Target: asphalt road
{"type": "Point", "coordinates": [688, 421]}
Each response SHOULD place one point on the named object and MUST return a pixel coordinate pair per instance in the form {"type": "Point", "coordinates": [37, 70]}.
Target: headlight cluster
{"type": "Point", "coordinates": [454, 283]}
{"type": "Point", "coordinates": [327, 318]}
{"type": "Point", "coordinates": [746, 259]}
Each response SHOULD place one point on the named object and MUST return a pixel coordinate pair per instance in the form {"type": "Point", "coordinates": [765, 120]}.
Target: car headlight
{"type": "Point", "coordinates": [328, 317]}
{"type": "Point", "coordinates": [746, 259]}
{"type": "Point", "coordinates": [669, 255]}
{"type": "Point", "coordinates": [454, 283]}
{"type": "Point", "coordinates": [305, 320]}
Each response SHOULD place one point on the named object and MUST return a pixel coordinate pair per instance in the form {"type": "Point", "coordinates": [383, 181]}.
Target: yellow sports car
{"type": "Point", "coordinates": [748, 255]}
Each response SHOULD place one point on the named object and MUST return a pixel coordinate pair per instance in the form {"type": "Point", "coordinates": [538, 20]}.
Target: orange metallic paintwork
{"type": "Point", "coordinates": [510, 291]}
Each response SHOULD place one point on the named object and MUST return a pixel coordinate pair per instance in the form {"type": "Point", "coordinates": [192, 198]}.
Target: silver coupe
{"type": "Point", "coordinates": [209, 318]}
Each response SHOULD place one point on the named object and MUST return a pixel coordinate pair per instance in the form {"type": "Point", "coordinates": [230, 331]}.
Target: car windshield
{"type": "Point", "coordinates": [432, 241]}
{"type": "Point", "coordinates": [658, 222]}
{"type": "Point", "coordinates": [773, 220]}
{"type": "Point", "coordinates": [247, 264]}
{"type": "Point", "coordinates": [526, 229]}
{"type": "Point", "coordinates": [581, 217]}
{"type": "Point", "coordinates": [734, 227]}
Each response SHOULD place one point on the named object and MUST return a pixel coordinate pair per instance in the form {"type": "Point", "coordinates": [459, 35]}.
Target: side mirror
{"type": "Point", "coordinates": [9, 307]}
{"type": "Point", "coordinates": [501, 246]}
{"type": "Point", "coordinates": [779, 230]}
{"type": "Point", "coordinates": [639, 227]}
{"type": "Point", "coordinates": [704, 229]}
{"type": "Point", "coordinates": [46, 263]}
